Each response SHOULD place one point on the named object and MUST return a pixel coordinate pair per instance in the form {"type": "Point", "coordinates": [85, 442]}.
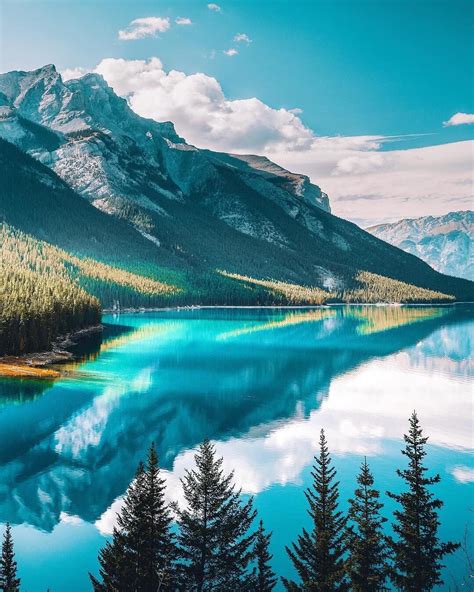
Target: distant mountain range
{"type": "Point", "coordinates": [95, 179]}
{"type": "Point", "coordinates": [444, 242]}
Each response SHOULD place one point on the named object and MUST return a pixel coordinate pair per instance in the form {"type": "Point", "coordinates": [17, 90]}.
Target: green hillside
{"type": "Point", "coordinates": [46, 292]}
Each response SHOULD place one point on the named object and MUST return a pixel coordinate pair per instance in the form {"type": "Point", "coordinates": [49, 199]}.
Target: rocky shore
{"type": "Point", "coordinates": [37, 364]}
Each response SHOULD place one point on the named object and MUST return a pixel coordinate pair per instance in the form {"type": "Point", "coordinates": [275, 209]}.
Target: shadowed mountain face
{"type": "Point", "coordinates": [189, 210]}
{"type": "Point", "coordinates": [444, 242]}
{"type": "Point", "coordinates": [177, 378]}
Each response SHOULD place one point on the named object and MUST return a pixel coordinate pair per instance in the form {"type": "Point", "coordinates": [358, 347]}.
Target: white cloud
{"type": "Point", "coordinates": [203, 115]}
{"type": "Point", "coordinates": [358, 164]}
{"type": "Point", "coordinates": [70, 519]}
{"type": "Point", "coordinates": [230, 52]}
{"type": "Point", "coordinates": [181, 20]}
{"type": "Point", "coordinates": [365, 182]}
{"type": "Point", "coordinates": [242, 38]}
{"type": "Point", "coordinates": [214, 7]}
{"type": "Point", "coordinates": [144, 27]}
{"type": "Point", "coordinates": [459, 119]}
{"type": "Point", "coordinates": [71, 73]}
{"type": "Point", "coordinates": [369, 185]}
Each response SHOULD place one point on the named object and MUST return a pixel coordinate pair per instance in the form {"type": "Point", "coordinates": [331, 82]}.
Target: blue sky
{"type": "Point", "coordinates": [354, 67]}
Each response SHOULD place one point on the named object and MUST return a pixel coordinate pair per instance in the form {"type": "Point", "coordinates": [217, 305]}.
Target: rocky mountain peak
{"type": "Point", "coordinates": [135, 168]}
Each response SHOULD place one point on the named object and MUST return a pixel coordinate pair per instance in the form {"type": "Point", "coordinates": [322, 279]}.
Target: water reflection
{"type": "Point", "coordinates": [261, 383]}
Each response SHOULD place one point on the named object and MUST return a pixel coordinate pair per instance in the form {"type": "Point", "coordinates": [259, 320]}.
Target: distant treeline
{"type": "Point", "coordinates": [218, 547]}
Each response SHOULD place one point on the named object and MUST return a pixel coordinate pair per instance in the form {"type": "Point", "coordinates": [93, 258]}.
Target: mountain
{"type": "Point", "coordinates": [220, 228]}
{"type": "Point", "coordinates": [444, 242]}
{"type": "Point", "coordinates": [134, 167]}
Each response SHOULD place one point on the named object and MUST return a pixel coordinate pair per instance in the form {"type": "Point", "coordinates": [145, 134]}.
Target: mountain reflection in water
{"type": "Point", "coordinates": [260, 383]}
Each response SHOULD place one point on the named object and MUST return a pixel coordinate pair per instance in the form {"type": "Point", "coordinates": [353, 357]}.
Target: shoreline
{"type": "Point", "coordinates": [109, 311]}
{"type": "Point", "coordinates": [36, 364]}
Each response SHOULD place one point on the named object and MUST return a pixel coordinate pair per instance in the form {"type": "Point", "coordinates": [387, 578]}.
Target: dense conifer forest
{"type": "Point", "coordinates": [220, 546]}
{"type": "Point", "coordinates": [45, 292]}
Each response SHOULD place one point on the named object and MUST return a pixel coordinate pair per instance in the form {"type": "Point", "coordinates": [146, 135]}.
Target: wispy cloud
{"type": "Point", "coordinates": [242, 38]}
{"type": "Point", "coordinates": [182, 20]}
{"type": "Point", "coordinates": [230, 52]}
{"type": "Point", "coordinates": [214, 7]}
{"type": "Point", "coordinates": [149, 26]}
{"type": "Point", "coordinates": [459, 119]}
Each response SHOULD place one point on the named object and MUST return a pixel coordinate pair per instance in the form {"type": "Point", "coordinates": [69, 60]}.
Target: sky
{"type": "Point", "coordinates": [373, 99]}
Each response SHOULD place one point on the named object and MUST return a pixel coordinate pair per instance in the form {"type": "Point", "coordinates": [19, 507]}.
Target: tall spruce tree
{"type": "Point", "coordinates": [418, 552]}
{"type": "Point", "coordinates": [142, 554]}
{"type": "Point", "coordinates": [367, 562]}
{"type": "Point", "coordinates": [265, 579]}
{"type": "Point", "coordinates": [9, 582]}
{"type": "Point", "coordinates": [214, 540]}
{"type": "Point", "coordinates": [318, 556]}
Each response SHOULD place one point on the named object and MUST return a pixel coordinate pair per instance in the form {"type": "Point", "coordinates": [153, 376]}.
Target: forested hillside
{"type": "Point", "coordinates": [38, 301]}
{"type": "Point", "coordinates": [195, 245]}
{"type": "Point", "coordinates": [46, 292]}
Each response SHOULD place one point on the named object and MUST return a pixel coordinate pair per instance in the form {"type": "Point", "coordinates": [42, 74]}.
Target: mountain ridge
{"type": "Point", "coordinates": [444, 242]}
{"type": "Point", "coordinates": [95, 127]}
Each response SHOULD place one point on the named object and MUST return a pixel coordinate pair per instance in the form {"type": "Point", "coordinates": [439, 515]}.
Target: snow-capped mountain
{"type": "Point", "coordinates": [444, 242]}
{"type": "Point", "coordinates": [133, 167]}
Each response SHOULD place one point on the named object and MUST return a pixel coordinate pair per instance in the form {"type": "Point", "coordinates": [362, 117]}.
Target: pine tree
{"type": "Point", "coordinates": [265, 579]}
{"type": "Point", "coordinates": [159, 552]}
{"type": "Point", "coordinates": [142, 554]}
{"type": "Point", "coordinates": [418, 552]}
{"type": "Point", "coordinates": [367, 563]}
{"type": "Point", "coordinates": [214, 540]}
{"type": "Point", "coordinates": [8, 576]}
{"type": "Point", "coordinates": [318, 556]}
{"type": "Point", "coordinates": [115, 566]}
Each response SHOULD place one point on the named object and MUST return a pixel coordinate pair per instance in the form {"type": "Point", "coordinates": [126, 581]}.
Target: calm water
{"type": "Point", "coordinates": [260, 384]}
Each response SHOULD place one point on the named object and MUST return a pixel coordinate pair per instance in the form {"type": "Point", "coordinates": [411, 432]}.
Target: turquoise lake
{"type": "Point", "coordinates": [260, 383]}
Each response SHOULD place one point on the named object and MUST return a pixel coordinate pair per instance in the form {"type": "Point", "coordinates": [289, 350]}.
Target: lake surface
{"type": "Point", "coordinates": [260, 383]}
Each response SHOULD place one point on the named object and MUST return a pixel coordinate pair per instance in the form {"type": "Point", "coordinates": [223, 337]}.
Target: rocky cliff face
{"type": "Point", "coordinates": [444, 242]}
{"type": "Point", "coordinates": [134, 167]}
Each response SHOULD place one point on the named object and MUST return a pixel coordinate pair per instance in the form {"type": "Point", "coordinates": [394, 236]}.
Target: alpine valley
{"type": "Point", "coordinates": [119, 211]}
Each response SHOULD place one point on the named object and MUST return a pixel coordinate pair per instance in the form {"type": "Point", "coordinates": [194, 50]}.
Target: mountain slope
{"type": "Point", "coordinates": [125, 164]}
{"type": "Point", "coordinates": [444, 242]}
{"type": "Point", "coordinates": [177, 213]}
